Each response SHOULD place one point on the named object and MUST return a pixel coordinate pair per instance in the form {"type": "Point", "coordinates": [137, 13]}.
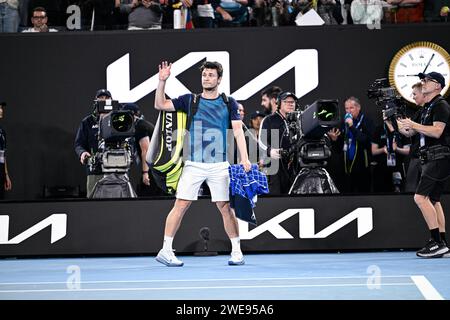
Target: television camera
{"type": "Point", "coordinates": [310, 147]}
{"type": "Point", "coordinates": [387, 97]}
{"type": "Point", "coordinates": [116, 131]}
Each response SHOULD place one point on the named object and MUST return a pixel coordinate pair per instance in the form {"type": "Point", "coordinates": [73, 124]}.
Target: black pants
{"type": "Point", "coordinates": [281, 182]}
{"type": "Point", "coordinates": [358, 181]}
{"type": "Point", "coordinates": [2, 180]}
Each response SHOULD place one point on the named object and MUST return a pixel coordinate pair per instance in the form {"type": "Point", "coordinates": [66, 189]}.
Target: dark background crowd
{"type": "Point", "coordinates": [65, 15]}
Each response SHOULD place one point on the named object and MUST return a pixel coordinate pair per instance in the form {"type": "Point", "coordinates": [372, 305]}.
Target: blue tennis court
{"type": "Point", "coordinates": [337, 276]}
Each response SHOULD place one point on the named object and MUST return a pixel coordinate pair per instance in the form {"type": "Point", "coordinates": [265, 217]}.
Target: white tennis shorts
{"type": "Point", "coordinates": [195, 173]}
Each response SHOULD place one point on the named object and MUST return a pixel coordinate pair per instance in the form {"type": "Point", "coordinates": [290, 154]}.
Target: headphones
{"type": "Point", "coordinates": [283, 95]}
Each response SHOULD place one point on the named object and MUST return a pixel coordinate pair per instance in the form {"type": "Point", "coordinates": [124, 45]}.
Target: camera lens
{"type": "Point", "coordinates": [122, 122]}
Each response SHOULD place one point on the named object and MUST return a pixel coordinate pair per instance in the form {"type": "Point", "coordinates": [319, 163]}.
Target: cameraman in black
{"type": "Point", "coordinates": [389, 150]}
{"type": "Point", "coordinates": [434, 151]}
{"type": "Point", "coordinates": [414, 167]}
{"type": "Point", "coordinates": [5, 181]}
{"type": "Point", "coordinates": [279, 181]}
{"type": "Point", "coordinates": [86, 141]}
{"type": "Point", "coordinates": [142, 135]}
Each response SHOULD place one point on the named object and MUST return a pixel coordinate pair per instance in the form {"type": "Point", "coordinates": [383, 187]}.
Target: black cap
{"type": "Point", "coordinates": [257, 114]}
{"type": "Point", "coordinates": [286, 94]}
{"type": "Point", "coordinates": [103, 92]}
{"type": "Point", "coordinates": [133, 107]}
{"type": "Point", "coordinates": [436, 76]}
{"type": "Point", "coordinates": [3, 104]}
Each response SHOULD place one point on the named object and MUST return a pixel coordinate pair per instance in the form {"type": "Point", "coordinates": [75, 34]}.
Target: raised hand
{"type": "Point", "coordinates": [334, 134]}
{"type": "Point", "coordinates": [164, 70]}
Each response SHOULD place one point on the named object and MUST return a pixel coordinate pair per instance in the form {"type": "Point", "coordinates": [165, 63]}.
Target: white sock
{"type": "Point", "coordinates": [235, 244]}
{"type": "Point", "coordinates": [167, 244]}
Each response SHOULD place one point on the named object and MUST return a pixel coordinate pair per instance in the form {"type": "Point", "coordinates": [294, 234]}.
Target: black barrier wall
{"type": "Point", "coordinates": [49, 80]}
{"type": "Point", "coordinates": [128, 227]}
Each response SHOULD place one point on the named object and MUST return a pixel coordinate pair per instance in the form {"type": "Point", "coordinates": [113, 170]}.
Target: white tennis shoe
{"type": "Point", "coordinates": [237, 258]}
{"type": "Point", "coordinates": [167, 257]}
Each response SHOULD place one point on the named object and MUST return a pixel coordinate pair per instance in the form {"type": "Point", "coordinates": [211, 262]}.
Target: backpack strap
{"type": "Point", "coordinates": [193, 108]}
{"type": "Point", "coordinates": [195, 100]}
{"type": "Point", "coordinates": [228, 103]}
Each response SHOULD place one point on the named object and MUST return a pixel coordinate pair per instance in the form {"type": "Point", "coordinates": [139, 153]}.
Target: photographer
{"type": "Point", "coordinates": [434, 142]}
{"type": "Point", "coordinates": [389, 149]}
{"type": "Point", "coordinates": [275, 125]}
{"type": "Point", "coordinates": [414, 168]}
{"type": "Point", "coordinates": [5, 181]}
{"type": "Point", "coordinates": [143, 132]}
{"type": "Point", "coordinates": [86, 141]}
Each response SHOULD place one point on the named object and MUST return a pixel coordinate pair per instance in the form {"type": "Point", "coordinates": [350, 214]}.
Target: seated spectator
{"type": "Point", "coordinates": [406, 11]}
{"type": "Point", "coordinates": [144, 14]}
{"type": "Point", "coordinates": [261, 15]}
{"type": "Point", "coordinates": [329, 11]}
{"type": "Point", "coordinates": [203, 14]}
{"type": "Point", "coordinates": [39, 20]}
{"type": "Point", "coordinates": [368, 12]}
{"type": "Point", "coordinates": [55, 10]}
{"type": "Point", "coordinates": [9, 17]}
{"type": "Point", "coordinates": [291, 11]}
{"type": "Point", "coordinates": [232, 13]}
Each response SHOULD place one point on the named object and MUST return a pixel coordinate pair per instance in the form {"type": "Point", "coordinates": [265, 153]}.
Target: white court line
{"type": "Point", "coordinates": [202, 288]}
{"type": "Point", "coordinates": [196, 280]}
{"type": "Point", "coordinates": [426, 288]}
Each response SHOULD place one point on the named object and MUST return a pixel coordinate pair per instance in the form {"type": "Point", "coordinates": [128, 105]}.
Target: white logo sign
{"type": "Point", "coordinates": [304, 62]}
{"type": "Point", "coordinates": [57, 221]}
{"type": "Point", "coordinates": [307, 229]}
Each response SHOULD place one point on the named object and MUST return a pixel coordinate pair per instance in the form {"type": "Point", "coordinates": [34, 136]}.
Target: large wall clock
{"type": "Point", "coordinates": [415, 58]}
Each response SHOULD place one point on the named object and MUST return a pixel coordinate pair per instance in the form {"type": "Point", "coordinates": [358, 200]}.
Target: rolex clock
{"type": "Point", "coordinates": [415, 58]}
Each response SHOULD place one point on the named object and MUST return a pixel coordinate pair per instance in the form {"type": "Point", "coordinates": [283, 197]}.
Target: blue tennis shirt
{"type": "Point", "coordinates": [208, 129]}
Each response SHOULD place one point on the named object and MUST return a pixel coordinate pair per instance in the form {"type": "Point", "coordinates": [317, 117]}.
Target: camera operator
{"type": "Point", "coordinates": [86, 141]}
{"type": "Point", "coordinates": [434, 142]}
{"type": "Point", "coordinates": [280, 182]}
{"type": "Point", "coordinates": [389, 149]}
{"type": "Point", "coordinates": [414, 167]}
{"type": "Point", "coordinates": [5, 181]}
{"type": "Point", "coordinates": [143, 132]}
{"type": "Point", "coordinates": [356, 145]}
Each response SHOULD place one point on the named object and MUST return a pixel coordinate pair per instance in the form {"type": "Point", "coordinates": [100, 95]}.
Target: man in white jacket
{"type": "Point", "coordinates": [368, 12]}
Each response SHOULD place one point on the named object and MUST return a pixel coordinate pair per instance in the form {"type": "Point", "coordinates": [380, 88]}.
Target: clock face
{"type": "Point", "coordinates": [416, 58]}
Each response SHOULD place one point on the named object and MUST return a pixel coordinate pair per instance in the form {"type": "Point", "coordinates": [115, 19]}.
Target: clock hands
{"type": "Point", "coordinates": [428, 63]}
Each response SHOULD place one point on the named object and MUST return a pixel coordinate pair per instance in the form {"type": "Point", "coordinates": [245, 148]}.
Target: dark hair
{"type": "Point", "coordinates": [40, 9]}
{"type": "Point", "coordinates": [271, 92]}
{"type": "Point", "coordinates": [212, 65]}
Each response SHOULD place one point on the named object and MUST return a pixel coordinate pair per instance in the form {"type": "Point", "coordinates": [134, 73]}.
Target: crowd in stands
{"type": "Point", "coordinates": [64, 15]}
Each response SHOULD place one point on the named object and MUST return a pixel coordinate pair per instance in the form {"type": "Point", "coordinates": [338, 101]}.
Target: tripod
{"type": "Point", "coordinates": [313, 178]}
{"type": "Point", "coordinates": [114, 185]}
